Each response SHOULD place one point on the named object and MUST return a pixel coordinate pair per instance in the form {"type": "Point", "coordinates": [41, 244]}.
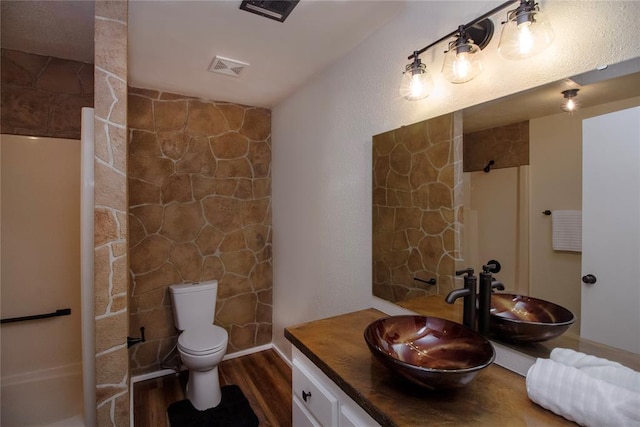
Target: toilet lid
{"type": "Point", "coordinates": [203, 339]}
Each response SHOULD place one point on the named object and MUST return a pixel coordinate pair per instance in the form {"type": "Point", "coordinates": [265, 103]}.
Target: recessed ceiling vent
{"type": "Point", "coordinates": [226, 66]}
{"type": "Point", "coordinates": [273, 9]}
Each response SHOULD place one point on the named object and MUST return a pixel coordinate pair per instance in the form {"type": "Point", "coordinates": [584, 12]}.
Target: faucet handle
{"type": "Point", "coordinates": [467, 271]}
{"type": "Point", "coordinates": [492, 266]}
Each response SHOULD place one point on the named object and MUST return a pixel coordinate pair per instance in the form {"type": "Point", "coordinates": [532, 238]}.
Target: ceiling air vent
{"type": "Point", "coordinates": [229, 67]}
{"type": "Point", "coordinates": [273, 9]}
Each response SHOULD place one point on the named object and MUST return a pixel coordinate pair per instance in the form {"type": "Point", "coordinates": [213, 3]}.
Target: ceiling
{"type": "Point", "coordinates": [172, 44]}
{"type": "Point", "coordinates": [40, 27]}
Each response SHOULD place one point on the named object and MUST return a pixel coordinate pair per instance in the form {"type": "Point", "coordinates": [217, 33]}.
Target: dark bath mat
{"type": "Point", "coordinates": [233, 411]}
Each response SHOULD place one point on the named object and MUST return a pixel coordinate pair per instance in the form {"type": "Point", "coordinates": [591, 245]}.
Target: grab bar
{"type": "Point", "coordinates": [59, 312]}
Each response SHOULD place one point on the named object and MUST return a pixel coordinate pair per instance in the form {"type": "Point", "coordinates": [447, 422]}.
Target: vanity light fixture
{"type": "Point", "coordinates": [525, 33]}
{"type": "Point", "coordinates": [416, 80]}
{"type": "Point", "coordinates": [570, 105]}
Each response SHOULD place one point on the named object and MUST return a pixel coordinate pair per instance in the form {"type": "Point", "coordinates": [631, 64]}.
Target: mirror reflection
{"type": "Point", "coordinates": [522, 177]}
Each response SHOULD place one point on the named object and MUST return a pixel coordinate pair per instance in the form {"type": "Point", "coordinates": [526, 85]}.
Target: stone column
{"type": "Point", "coordinates": [110, 256]}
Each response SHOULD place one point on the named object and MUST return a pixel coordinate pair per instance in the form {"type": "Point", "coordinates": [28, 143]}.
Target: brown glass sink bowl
{"type": "Point", "coordinates": [520, 318]}
{"type": "Point", "coordinates": [429, 351]}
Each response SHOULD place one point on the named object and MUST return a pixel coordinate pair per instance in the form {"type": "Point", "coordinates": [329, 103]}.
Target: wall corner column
{"type": "Point", "coordinates": [110, 211]}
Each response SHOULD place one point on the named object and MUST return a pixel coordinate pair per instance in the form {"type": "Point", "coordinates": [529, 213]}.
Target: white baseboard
{"type": "Point", "coordinates": [163, 372]}
{"type": "Point", "coordinates": [282, 356]}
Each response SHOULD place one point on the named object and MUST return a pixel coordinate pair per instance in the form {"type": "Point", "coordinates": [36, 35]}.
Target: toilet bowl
{"type": "Point", "coordinates": [201, 349]}
{"type": "Point", "coordinates": [201, 344]}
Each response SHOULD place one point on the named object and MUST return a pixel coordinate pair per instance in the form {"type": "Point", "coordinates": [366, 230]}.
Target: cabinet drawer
{"type": "Point", "coordinates": [313, 396]}
{"type": "Point", "coordinates": [302, 417]}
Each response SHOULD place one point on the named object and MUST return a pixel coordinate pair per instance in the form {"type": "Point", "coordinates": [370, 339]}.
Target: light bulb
{"type": "Point", "coordinates": [417, 88]}
{"type": "Point", "coordinates": [570, 105]}
{"type": "Point", "coordinates": [525, 39]}
{"type": "Point", "coordinates": [416, 81]}
{"type": "Point", "coordinates": [461, 65]}
{"type": "Point", "coordinates": [463, 62]}
{"type": "Point", "coordinates": [526, 32]}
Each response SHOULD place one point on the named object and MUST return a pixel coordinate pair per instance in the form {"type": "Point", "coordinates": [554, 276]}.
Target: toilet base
{"type": "Point", "coordinates": [203, 389]}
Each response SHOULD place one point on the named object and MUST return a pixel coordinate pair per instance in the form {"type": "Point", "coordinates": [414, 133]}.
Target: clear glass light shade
{"type": "Point", "coordinates": [416, 82]}
{"type": "Point", "coordinates": [462, 63]}
{"type": "Point", "coordinates": [570, 105]}
{"type": "Point", "coordinates": [525, 34]}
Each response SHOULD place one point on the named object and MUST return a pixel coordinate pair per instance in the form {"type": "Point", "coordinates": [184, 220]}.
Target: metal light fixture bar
{"type": "Point", "coordinates": [467, 26]}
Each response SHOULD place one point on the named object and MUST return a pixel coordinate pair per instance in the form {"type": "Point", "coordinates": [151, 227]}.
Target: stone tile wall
{"type": "Point", "coordinates": [507, 146]}
{"type": "Point", "coordinates": [110, 256]}
{"type": "Point", "coordinates": [417, 208]}
{"type": "Point", "coordinates": [42, 95]}
{"type": "Point", "coordinates": [200, 209]}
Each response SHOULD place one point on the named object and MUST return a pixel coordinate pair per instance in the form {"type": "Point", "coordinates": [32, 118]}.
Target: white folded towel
{"type": "Point", "coordinates": [599, 368]}
{"type": "Point", "coordinates": [576, 395]}
{"type": "Point", "coordinates": [566, 231]}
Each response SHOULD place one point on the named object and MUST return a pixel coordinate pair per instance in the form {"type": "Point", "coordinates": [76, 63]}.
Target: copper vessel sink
{"type": "Point", "coordinates": [525, 319]}
{"type": "Point", "coordinates": [429, 351]}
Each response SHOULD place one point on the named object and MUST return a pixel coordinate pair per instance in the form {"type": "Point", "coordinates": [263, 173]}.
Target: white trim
{"type": "Point", "coordinates": [283, 356]}
{"type": "Point", "coordinates": [388, 308]}
{"type": "Point", "coordinates": [152, 375]}
{"type": "Point", "coordinates": [512, 360]}
{"type": "Point", "coordinates": [248, 351]}
{"type": "Point", "coordinates": [73, 369]}
{"type": "Point", "coordinates": [163, 372]}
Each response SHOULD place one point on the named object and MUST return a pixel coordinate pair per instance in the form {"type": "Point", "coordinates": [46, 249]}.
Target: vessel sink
{"type": "Point", "coordinates": [520, 318]}
{"type": "Point", "coordinates": [429, 351]}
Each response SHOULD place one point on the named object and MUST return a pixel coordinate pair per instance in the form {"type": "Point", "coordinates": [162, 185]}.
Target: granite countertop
{"type": "Point", "coordinates": [336, 345]}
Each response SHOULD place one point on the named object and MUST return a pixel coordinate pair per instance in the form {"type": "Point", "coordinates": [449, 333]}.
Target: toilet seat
{"type": "Point", "coordinates": [203, 340]}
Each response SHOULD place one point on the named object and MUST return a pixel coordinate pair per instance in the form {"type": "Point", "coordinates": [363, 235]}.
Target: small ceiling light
{"type": "Point", "coordinates": [526, 32]}
{"type": "Point", "coordinates": [570, 105]}
{"type": "Point", "coordinates": [463, 59]}
{"type": "Point", "coordinates": [416, 80]}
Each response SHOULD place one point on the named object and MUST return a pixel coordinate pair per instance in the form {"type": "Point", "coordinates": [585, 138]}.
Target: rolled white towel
{"type": "Point", "coordinates": [599, 368]}
{"type": "Point", "coordinates": [578, 397]}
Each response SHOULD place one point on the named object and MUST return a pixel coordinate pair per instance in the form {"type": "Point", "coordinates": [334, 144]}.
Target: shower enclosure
{"type": "Point", "coordinates": [47, 359]}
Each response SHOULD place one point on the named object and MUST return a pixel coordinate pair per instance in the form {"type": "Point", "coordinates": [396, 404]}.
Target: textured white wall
{"type": "Point", "coordinates": [322, 137]}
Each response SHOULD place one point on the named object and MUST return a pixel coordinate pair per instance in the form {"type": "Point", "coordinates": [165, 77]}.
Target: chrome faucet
{"type": "Point", "coordinates": [469, 295]}
{"type": "Point", "coordinates": [487, 285]}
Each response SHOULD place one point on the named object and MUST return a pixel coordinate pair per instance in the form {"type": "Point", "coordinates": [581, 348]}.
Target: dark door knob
{"type": "Point", "coordinates": [589, 279]}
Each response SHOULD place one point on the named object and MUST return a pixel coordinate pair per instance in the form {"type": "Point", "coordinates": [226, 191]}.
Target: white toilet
{"type": "Point", "coordinates": [201, 344]}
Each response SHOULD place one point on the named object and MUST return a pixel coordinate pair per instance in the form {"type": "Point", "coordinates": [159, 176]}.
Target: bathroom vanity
{"type": "Point", "coordinates": [337, 382]}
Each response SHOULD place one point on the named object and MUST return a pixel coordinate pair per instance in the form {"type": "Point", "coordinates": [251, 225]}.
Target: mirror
{"type": "Point", "coordinates": [536, 173]}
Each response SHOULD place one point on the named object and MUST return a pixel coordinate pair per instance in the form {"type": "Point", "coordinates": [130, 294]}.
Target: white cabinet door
{"type": "Point", "coordinates": [611, 229]}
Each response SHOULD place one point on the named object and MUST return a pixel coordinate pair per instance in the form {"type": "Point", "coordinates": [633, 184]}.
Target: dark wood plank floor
{"type": "Point", "coordinates": [265, 380]}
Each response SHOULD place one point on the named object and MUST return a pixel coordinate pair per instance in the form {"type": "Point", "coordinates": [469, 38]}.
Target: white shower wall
{"type": "Point", "coordinates": [40, 273]}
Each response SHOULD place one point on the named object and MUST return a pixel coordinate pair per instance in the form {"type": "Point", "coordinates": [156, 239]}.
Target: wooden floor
{"type": "Point", "coordinates": [265, 380]}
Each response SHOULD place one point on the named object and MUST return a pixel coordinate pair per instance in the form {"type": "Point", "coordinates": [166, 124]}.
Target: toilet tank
{"type": "Point", "coordinates": [193, 304]}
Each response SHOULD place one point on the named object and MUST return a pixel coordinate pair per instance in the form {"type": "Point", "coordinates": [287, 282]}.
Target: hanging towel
{"type": "Point", "coordinates": [577, 395]}
{"type": "Point", "coordinates": [567, 231]}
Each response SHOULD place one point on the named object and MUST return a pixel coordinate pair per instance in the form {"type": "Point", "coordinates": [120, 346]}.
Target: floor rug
{"type": "Point", "coordinates": [233, 411]}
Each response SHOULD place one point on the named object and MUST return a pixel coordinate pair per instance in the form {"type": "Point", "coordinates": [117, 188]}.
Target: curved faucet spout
{"type": "Point", "coordinates": [495, 284]}
{"type": "Point", "coordinates": [455, 294]}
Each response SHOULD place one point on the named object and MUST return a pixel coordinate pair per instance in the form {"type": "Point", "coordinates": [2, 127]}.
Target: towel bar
{"type": "Point", "coordinates": [59, 312]}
